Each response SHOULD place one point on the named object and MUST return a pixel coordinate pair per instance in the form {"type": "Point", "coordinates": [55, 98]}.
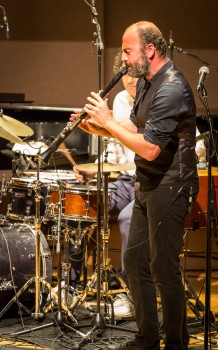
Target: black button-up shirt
{"type": "Point", "coordinates": [164, 111]}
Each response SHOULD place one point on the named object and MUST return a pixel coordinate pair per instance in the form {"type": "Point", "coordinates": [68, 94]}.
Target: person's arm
{"type": "Point", "coordinates": [126, 132]}
{"type": "Point", "coordinates": [63, 148]}
{"type": "Point", "coordinates": [90, 126]}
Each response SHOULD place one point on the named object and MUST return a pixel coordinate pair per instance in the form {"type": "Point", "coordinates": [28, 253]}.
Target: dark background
{"type": "Point", "coordinates": [49, 56]}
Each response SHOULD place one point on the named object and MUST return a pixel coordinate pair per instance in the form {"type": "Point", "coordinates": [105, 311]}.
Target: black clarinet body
{"type": "Point", "coordinates": [70, 126]}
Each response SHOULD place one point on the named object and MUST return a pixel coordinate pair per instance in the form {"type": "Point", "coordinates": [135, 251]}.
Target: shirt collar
{"type": "Point", "coordinates": [162, 70]}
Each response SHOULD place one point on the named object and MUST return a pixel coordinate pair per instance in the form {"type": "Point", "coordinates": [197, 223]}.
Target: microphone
{"type": "Point", "coordinates": [6, 27]}
{"type": "Point", "coordinates": [94, 11]}
{"type": "Point", "coordinates": [203, 71]}
{"type": "Point", "coordinates": [23, 165]}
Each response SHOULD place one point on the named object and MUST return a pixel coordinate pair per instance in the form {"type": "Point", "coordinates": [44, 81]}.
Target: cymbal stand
{"type": "Point", "coordinates": [103, 270]}
{"type": "Point", "coordinates": [210, 148]}
{"type": "Point", "coordinates": [38, 314]}
{"type": "Point", "coordinates": [100, 276]}
{"type": "Point", "coordinates": [37, 279]}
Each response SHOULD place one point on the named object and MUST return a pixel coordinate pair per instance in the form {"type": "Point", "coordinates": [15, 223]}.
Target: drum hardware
{"type": "Point", "coordinates": [98, 283]}
{"type": "Point", "coordinates": [63, 309]}
{"type": "Point", "coordinates": [45, 157]}
{"type": "Point", "coordinates": [105, 270]}
{"type": "Point", "coordinates": [18, 265]}
{"type": "Point", "coordinates": [3, 191]}
{"type": "Point", "coordinates": [50, 208]}
{"type": "Point", "coordinates": [66, 271]}
{"type": "Point", "coordinates": [6, 285]}
{"type": "Point", "coordinates": [53, 235]}
{"type": "Point", "coordinates": [37, 279]}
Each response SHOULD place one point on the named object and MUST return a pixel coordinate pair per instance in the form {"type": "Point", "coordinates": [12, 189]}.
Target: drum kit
{"type": "Point", "coordinates": [45, 205]}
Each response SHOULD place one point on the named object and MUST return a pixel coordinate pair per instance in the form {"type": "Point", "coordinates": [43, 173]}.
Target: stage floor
{"type": "Point", "coordinates": [47, 333]}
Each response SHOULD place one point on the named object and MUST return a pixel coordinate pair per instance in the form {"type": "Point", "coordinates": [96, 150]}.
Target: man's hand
{"type": "Point", "coordinates": [83, 175]}
{"type": "Point", "coordinates": [90, 126]}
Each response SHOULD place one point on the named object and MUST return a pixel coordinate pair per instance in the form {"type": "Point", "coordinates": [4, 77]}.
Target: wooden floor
{"type": "Point", "coordinates": [193, 263]}
{"type": "Point", "coordinates": [195, 282]}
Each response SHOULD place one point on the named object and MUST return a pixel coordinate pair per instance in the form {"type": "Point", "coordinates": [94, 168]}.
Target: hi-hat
{"type": "Point", "coordinates": [14, 126]}
{"type": "Point", "coordinates": [106, 167]}
{"type": "Point", "coordinates": [9, 135]}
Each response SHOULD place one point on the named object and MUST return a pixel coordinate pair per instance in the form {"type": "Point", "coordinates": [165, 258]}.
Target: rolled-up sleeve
{"type": "Point", "coordinates": [162, 120]}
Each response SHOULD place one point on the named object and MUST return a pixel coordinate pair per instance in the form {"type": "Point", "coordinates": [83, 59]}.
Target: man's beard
{"type": "Point", "coordinates": [140, 69]}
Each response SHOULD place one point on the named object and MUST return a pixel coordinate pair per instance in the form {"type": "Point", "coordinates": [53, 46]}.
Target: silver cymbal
{"type": "Point", "coordinates": [106, 167]}
{"type": "Point", "coordinates": [9, 135]}
{"type": "Point", "coordinates": [14, 126]}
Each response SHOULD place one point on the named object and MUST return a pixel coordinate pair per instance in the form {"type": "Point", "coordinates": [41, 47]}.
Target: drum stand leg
{"type": "Point", "coordinates": [39, 280]}
{"type": "Point", "coordinates": [192, 299]}
{"type": "Point", "coordinates": [196, 306]}
{"type": "Point", "coordinates": [100, 276]}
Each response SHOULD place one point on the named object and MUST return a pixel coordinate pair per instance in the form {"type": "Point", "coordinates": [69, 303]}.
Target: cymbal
{"type": "Point", "coordinates": [14, 126]}
{"type": "Point", "coordinates": [106, 167]}
{"type": "Point", "coordinates": [9, 135]}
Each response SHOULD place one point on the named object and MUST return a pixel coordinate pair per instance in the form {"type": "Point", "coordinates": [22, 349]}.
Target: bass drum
{"type": "Point", "coordinates": [17, 265]}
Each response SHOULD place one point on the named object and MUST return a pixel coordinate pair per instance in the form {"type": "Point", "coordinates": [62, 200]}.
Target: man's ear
{"type": "Point", "coordinates": [150, 51]}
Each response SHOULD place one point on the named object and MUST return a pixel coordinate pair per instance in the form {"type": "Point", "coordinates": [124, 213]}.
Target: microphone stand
{"type": "Point", "coordinates": [210, 195]}
{"type": "Point", "coordinates": [210, 213]}
{"type": "Point", "coordinates": [98, 322]}
{"type": "Point", "coordinates": [173, 47]}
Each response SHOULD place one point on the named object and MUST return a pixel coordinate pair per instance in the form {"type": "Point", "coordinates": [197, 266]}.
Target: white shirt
{"type": "Point", "coordinates": [200, 148]}
{"type": "Point", "coordinates": [117, 152]}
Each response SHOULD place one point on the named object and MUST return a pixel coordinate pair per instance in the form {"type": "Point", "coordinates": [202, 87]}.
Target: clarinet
{"type": "Point", "coordinates": [53, 146]}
